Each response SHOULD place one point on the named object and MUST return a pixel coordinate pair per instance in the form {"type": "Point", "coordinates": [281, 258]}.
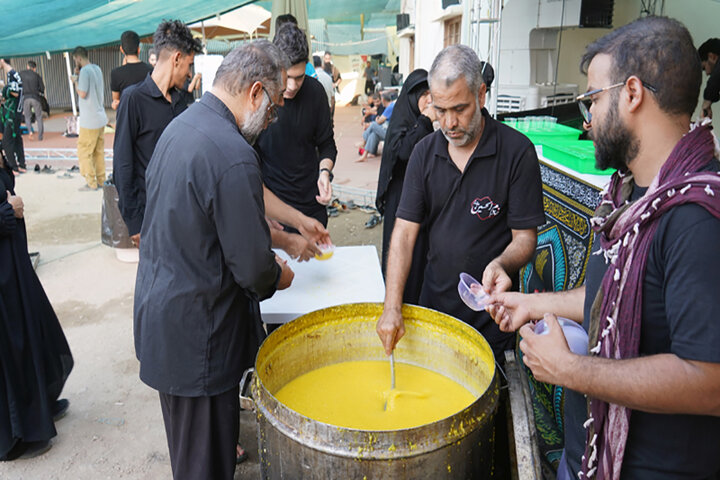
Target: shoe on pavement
{"type": "Point", "coordinates": [60, 409]}
{"type": "Point", "coordinates": [87, 188]}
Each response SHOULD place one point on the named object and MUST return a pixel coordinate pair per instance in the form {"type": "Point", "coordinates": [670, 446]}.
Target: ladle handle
{"type": "Point", "coordinates": [246, 401]}
{"type": "Point", "coordinates": [392, 370]}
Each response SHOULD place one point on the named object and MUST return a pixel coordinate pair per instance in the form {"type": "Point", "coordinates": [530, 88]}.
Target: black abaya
{"type": "Point", "coordinates": [35, 359]}
{"type": "Point", "coordinates": [407, 127]}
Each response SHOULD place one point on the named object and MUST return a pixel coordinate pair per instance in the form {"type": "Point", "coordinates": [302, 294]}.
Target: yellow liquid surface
{"type": "Point", "coordinates": [353, 395]}
{"type": "Point", "coordinates": [324, 255]}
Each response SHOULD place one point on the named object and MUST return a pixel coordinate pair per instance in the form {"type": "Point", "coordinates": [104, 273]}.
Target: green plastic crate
{"type": "Point", "coordinates": [549, 132]}
{"type": "Point", "coordinates": [578, 155]}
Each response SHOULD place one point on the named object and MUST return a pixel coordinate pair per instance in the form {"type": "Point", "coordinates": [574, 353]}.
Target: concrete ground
{"type": "Point", "coordinates": [114, 426]}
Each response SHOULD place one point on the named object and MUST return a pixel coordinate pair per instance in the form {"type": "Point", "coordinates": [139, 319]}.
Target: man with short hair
{"type": "Point", "coordinates": [475, 185]}
{"type": "Point", "coordinates": [144, 111]}
{"type": "Point", "coordinates": [298, 151]}
{"type": "Point", "coordinates": [12, 142]}
{"type": "Point", "coordinates": [132, 71]}
{"type": "Point", "coordinates": [709, 54]}
{"type": "Point", "coordinates": [369, 73]}
{"type": "Point", "coordinates": [650, 302]}
{"type": "Point", "coordinates": [375, 132]}
{"type": "Point", "coordinates": [206, 261]}
{"type": "Point", "coordinates": [89, 84]}
{"type": "Point", "coordinates": [331, 69]}
{"type": "Point", "coordinates": [33, 89]}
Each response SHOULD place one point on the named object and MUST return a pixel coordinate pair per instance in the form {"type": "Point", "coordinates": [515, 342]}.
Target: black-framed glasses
{"type": "Point", "coordinates": [272, 109]}
{"type": "Point", "coordinates": [585, 100]}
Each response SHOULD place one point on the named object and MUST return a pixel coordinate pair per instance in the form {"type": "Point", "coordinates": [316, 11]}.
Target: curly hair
{"type": "Point", "coordinates": [292, 42]}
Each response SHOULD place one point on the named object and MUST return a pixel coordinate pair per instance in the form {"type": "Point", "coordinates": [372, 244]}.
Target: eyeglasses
{"type": "Point", "coordinates": [585, 101]}
{"type": "Point", "coordinates": [272, 109]}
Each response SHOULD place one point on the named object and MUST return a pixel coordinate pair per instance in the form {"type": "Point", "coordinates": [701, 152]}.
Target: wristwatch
{"type": "Point", "coordinates": [329, 173]}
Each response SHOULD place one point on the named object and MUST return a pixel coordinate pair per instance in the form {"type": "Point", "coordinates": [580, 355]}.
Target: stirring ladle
{"type": "Point", "coordinates": [392, 377]}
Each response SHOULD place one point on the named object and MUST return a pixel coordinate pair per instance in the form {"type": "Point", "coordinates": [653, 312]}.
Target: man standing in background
{"type": "Point", "coordinates": [133, 69]}
{"type": "Point", "coordinates": [33, 88]}
{"type": "Point", "coordinates": [326, 81]}
{"type": "Point", "coordinates": [145, 110]}
{"type": "Point", "coordinates": [88, 81]}
{"type": "Point", "coordinates": [709, 53]}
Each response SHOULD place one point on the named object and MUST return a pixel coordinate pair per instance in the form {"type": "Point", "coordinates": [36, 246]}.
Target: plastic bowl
{"type": "Point", "coordinates": [475, 298]}
{"type": "Point", "coordinates": [326, 251]}
{"type": "Point", "coordinates": [575, 334]}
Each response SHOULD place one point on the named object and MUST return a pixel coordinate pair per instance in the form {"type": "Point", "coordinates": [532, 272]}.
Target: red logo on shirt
{"type": "Point", "coordinates": [484, 208]}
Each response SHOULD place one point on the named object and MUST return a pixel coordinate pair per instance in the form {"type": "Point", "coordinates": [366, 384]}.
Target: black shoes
{"type": "Point", "coordinates": [60, 409]}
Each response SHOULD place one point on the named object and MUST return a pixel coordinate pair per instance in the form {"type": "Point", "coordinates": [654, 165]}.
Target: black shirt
{"type": "Point", "coordinates": [679, 315]}
{"type": "Point", "coordinates": [470, 214]}
{"type": "Point", "coordinates": [205, 257]}
{"type": "Point", "coordinates": [712, 87]}
{"type": "Point", "coordinates": [292, 147]}
{"type": "Point", "coordinates": [142, 116]}
{"type": "Point", "coordinates": [32, 84]}
{"type": "Point", "coordinates": [128, 74]}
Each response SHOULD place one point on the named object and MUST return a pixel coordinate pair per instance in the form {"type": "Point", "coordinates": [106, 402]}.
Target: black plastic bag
{"type": "Point", "coordinates": [114, 232]}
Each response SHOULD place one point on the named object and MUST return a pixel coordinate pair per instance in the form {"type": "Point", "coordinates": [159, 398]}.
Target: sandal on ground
{"type": "Point", "coordinates": [241, 457]}
{"type": "Point", "coordinates": [373, 222]}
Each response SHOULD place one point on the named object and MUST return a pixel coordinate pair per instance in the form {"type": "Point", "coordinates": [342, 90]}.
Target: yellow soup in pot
{"type": "Point", "coordinates": [358, 395]}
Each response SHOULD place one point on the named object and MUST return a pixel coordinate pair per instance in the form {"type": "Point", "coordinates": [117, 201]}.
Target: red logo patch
{"type": "Point", "coordinates": [484, 208]}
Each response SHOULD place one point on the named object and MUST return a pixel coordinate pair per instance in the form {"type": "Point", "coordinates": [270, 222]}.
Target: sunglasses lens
{"type": "Point", "coordinates": [584, 106]}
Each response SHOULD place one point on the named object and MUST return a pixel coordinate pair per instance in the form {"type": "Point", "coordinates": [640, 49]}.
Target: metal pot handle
{"type": "Point", "coordinates": [246, 402]}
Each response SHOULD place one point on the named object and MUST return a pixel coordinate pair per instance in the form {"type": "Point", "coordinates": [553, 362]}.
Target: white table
{"type": "Point", "coordinates": [351, 275]}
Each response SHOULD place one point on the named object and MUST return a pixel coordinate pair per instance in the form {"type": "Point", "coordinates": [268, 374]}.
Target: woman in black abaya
{"type": "Point", "coordinates": [411, 121]}
{"type": "Point", "coordinates": [35, 359]}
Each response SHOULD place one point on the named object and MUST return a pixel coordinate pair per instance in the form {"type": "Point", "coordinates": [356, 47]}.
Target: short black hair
{"type": "Point", "coordinates": [317, 61]}
{"type": "Point", "coordinates": [659, 51]}
{"type": "Point", "coordinates": [176, 36]}
{"type": "Point", "coordinates": [283, 19]}
{"type": "Point", "coordinates": [80, 52]}
{"type": "Point", "coordinates": [130, 42]}
{"type": "Point", "coordinates": [32, 64]}
{"type": "Point", "coordinates": [710, 46]}
{"type": "Point", "coordinates": [6, 60]}
{"type": "Point", "coordinates": [327, 52]}
{"type": "Point", "coordinates": [292, 42]}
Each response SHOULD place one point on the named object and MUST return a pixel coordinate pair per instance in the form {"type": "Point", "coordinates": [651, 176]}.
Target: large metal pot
{"type": "Point", "coordinates": [293, 446]}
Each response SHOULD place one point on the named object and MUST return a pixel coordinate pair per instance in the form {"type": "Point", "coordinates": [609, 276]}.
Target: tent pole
{"type": "Point", "coordinates": [202, 25]}
{"type": "Point", "coordinates": [70, 83]}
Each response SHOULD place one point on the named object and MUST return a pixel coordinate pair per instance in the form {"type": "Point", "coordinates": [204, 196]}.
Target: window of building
{"type": "Point", "coordinates": [452, 31]}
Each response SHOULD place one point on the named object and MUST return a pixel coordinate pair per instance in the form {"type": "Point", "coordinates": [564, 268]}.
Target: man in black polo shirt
{"type": "Point", "coordinates": [709, 55]}
{"type": "Point", "coordinates": [132, 71]}
{"type": "Point", "coordinates": [206, 262]}
{"type": "Point", "coordinates": [650, 301]}
{"type": "Point", "coordinates": [476, 186]}
{"type": "Point", "coordinates": [145, 110]}
{"type": "Point", "coordinates": [298, 151]}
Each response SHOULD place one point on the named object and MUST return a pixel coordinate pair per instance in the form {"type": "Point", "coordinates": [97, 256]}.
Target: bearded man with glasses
{"type": "Point", "coordinates": [645, 401]}
{"type": "Point", "coordinates": [206, 261]}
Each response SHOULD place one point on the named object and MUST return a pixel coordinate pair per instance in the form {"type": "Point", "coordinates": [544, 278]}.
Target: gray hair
{"type": "Point", "coordinates": [454, 61]}
{"type": "Point", "coordinates": [258, 61]}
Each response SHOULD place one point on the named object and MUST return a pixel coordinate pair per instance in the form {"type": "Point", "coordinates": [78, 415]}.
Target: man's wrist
{"type": "Point", "coordinates": [329, 172]}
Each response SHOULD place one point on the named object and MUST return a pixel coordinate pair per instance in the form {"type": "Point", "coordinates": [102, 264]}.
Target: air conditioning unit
{"type": "Point", "coordinates": [518, 98]}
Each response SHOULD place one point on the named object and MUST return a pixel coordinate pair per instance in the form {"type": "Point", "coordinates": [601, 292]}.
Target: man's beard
{"type": "Point", "coordinates": [254, 123]}
{"type": "Point", "coordinates": [615, 145]}
{"type": "Point", "coordinates": [470, 133]}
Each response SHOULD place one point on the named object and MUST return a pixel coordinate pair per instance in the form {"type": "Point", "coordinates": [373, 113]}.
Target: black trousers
{"type": "Point", "coordinates": [13, 145]}
{"type": "Point", "coordinates": [202, 433]}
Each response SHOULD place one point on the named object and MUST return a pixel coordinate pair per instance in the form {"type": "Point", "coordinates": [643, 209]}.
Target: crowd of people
{"type": "Point", "coordinates": [208, 188]}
